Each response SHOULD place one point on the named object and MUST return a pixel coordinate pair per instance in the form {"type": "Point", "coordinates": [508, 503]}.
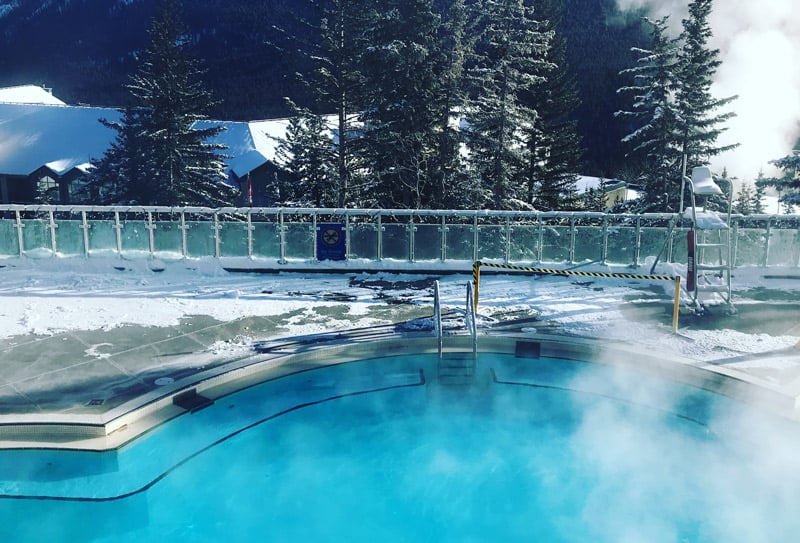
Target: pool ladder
{"type": "Point", "coordinates": [457, 367]}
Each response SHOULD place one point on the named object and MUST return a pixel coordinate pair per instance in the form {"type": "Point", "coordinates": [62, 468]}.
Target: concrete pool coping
{"type": "Point", "coordinates": [281, 357]}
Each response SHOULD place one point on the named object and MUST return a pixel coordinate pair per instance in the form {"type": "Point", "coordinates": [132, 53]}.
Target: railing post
{"type": "Point", "coordinates": [118, 233]}
{"type": "Point", "coordinates": [572, 239]}
{"type": "Point", "coordinates": [380, 236]}
{"type": "Point", "coordinates": [151, 235]}
{"type": "Point", "coordinates": [53, 227]}
{"type": "Point", "coordinates": [250, 229]}
{"type": "Point", "coordinates": [411, 230]}
{"type": "Point", "coordinates": [637, 245]}
{"type": "Point", "coordinates": [85, 227]}
{"type": "Point", "coordinates": [282, 238]}
{"type": "Point", "coordinates": [604, 249]}
{"type": "Point", "coordinates": [507, 258]}
{"type": "Point", "coordinates": [216, 228]}
{"type": "Point", "coordinates": [184, 235]}
{"type": "Point", "coordinates": [20, 238]}
{"type": "Point", "coordinates": [767, 237]}
{"type": "Point", "coordinates": [540, 241]}
{"type": "Point", "coordinates": [443, 239]}
{"type": "Point", "coordinates": [475, 237]}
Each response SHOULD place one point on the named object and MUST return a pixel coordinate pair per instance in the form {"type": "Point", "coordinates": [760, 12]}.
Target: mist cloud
{"type": "Point", "coordinates": [760, 53]}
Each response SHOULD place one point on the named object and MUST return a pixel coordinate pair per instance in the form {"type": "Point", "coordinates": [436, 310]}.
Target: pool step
{"type": "Point", "coordinates": [456, 369]}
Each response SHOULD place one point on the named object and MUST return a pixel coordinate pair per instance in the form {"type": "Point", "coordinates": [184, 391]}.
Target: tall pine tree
{"type": "Point", "coordinates": [400, 118]}
{"type": "Point", "coordinates": [161, 151]}
{"type": "Point", "coordinates": [700, 123]}
{"type": "Point", "coordinates": [653, 144]}
{"type": "Point", "coordinates": [509, 61]}
{"type": "Point", "coordinates": [554, 148]}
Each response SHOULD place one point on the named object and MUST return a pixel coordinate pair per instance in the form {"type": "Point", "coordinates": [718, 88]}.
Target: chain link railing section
{"type": "Point", "coordinates": [281, 237]}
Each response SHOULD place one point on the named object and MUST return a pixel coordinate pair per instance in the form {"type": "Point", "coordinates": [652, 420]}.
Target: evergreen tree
{"type": "Point", "coordinates": [744, 200]}
{"type": "Point", "coordinates": [509, 61]}
{"type": "Point", "coordinates": [758, 195]}
{"type": "Point", "coordinates": [450, 185]}
{"type": "Point", "coordinates": [161, 153]}
{"type": "Point", "coordinates": [553, 146]}
{"type": "Point", "coordinates": [653, 143]}
{"type": "Point", "coordinates": [788, 185]}
{"type": "Point", "coordinates": [307, 158]}
{"type": "Point", "coordinates": [338, 80]}
{"type": "Point", "coordinates": [400, 118]}
{"type": "Point", "coordinates": [699, 123]}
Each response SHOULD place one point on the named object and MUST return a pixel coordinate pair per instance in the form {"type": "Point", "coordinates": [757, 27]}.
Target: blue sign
{"type": "Point", "coordinates": [330, 241]}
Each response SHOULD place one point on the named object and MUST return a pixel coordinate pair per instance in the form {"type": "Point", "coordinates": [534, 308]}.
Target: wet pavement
{"type": "Point", "coordinates": [91, 372]}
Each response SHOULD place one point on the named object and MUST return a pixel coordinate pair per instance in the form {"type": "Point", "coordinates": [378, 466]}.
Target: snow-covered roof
{"type": "Point", "coordinates": [63, 137]}
{"type": "Point", "coordinates": [56, 136]}
{"type": "Point", "coordinates": [28, 94]}
{"type": "Point", "coordinates": [586, 182]}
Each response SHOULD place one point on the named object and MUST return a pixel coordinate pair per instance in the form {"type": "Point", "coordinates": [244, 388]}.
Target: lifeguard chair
{"type": "Point", "coordinates": [709, 245]}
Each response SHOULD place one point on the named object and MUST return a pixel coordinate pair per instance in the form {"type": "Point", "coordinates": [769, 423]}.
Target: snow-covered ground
{"type": "Point", "coordinates": [49, 296]}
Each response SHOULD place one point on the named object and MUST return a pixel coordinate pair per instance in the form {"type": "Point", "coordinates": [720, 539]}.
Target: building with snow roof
{"type": "Point", "coordinates": [47, 147]}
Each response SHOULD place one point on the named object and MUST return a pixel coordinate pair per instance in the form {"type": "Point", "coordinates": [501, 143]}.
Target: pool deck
{"type": "Point", "coordinates": [94, 375]}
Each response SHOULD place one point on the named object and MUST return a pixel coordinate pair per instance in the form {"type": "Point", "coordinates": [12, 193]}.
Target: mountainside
{"type": "Point", "coordinates": [85, 50]}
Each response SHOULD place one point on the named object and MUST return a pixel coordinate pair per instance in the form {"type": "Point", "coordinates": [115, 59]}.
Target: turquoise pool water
{"type": "Point", "coordinates": [538, 450]}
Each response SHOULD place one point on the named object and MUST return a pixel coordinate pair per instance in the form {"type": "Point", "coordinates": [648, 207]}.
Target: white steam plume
{"type": "Point", "coordinates": [760, 52]}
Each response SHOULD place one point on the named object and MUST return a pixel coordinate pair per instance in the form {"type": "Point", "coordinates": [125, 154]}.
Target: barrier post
{"type": "Point", "coordinates": [677, 304]}
{"type": "Point", "coordinates": [476, 279]}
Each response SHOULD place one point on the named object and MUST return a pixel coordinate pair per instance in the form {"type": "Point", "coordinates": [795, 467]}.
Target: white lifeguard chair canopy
{"type": "Point", "coordinates": [703, 182]}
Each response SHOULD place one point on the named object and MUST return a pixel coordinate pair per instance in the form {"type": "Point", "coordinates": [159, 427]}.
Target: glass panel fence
{"type": "Point", "coordinates": [363, 240]}
{"type": "Point", "coordinates": [199, 237]}
{"type": "Point", "coordinates": [233, 235]}
{"type": "Point", "coordinates": [621, 245]}
{"type": "Point", "coordinates": [492, 242]}
{"type": "Point", "coordinates": [523, 238]}
{"type": "Point", "coordinates": [102, 237]}
{"type": "Point", "coordinates": [588, 244]}
{"type": "Point", "coordinates": [783, 247]}
{"type": "Point", "coordinates": [9, 242]}
{"type": "Point", "coordinates": [167, 237]}
{"type": "Point", "coordinates": [556, 242]}
{"type": "Point", "coordinates": [300, 238]}
{"type": "Point", "coordinates": [427, 242]}
{"type": "Point", "coordinates": [36, 238]}
{"type": "Point", "coordinates": [460, 240]}
{"type": "Point", "coordinates": [135, 236]}
{"type": "Point", "coordinates": [524, 243]}
{"type": "Point", "coordinates": [395, 241]}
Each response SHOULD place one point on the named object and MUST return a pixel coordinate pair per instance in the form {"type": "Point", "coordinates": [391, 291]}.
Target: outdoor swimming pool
{"type": "Point", "coordinates": [539, 449]}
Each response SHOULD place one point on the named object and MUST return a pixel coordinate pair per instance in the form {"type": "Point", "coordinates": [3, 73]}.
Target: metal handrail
{"type": "Point", "coordinates": [472, 326]}
{"type": "Point", "coordinates": [437, 316]}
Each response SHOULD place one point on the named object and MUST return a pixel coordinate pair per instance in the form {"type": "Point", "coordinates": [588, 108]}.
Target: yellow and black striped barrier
{"type": "Point", "coordinates": [476, 279]}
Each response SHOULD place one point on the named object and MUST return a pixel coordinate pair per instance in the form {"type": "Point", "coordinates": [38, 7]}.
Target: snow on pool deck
{"type": "Point", "coordinates": [97, 305]}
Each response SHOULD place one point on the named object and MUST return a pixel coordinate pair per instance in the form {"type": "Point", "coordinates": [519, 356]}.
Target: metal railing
{"type": "Point", "coordinates": [437, 317]}
{"type": "Point", "coordinates": [471, 321]}
{"type": "Point", "coordinates": [282, 238]}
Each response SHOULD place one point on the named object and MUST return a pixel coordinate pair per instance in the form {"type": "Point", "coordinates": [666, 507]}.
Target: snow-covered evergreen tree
{"type": "Point", "coordinates": [759, 193]}
{"type": "Point", "coordinates": [509, 60]}
{"type": "Point", "coordinates": [400, 118]}
{"type": "Point", "coordinates": [338, 81]}
{"type": "Point", "coordinates": [700, 120]}
{"type": "Point", "coordinates": [743, 203]}
{"type": "Point", "coordinates": [554, 151]}
{"type": "Point", "coordinates": [308, 160]}
{"type": "Point", "coordinates": [450, 184]}
{"type": "Point", "coordinates": [789, 184]}
{"type": "Point", "coordinates": [111, 179]}
{"type": "Point", "coordinates": [653, 143]}
{"type": "Point", "coordinates": [162, 157]}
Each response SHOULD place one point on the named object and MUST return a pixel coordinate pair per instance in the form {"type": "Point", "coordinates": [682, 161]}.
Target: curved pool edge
{"type": "Point", "coordinates": [278, 358]}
